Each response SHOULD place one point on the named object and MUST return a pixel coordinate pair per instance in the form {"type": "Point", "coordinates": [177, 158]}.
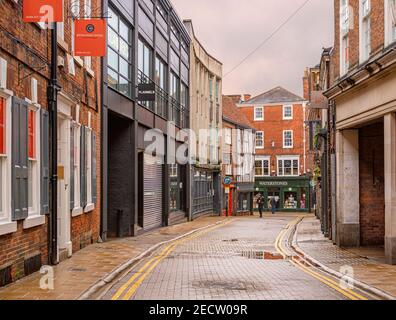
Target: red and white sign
{"type": "Point", "coordinates": [46, 11]}
{"type": "Point", "coordinates": [90, 38]}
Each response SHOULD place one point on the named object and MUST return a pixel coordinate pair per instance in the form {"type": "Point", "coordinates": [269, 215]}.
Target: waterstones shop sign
{"type": "Point", "coordinates": [273, 183]}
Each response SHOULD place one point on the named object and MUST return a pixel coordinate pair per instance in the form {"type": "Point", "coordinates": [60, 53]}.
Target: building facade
{"type": "Point", "coordinates": [278, 117]}
{"type": "Point", "coordinates": [27, 215]}
{"type": "Point", "coordinates": [206, 123]}
{"type": "Point", "coordinates": [145, 99]}
{"type": "Point", "coordinates": [238, 159]}
{"type": "Point", "coordinates": [364, 64]}
{"type": "Point", "coordinates": [321, 151]}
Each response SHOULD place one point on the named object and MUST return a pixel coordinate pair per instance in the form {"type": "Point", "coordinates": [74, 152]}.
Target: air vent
{"type": "Point", "coordinates": [5, 276]}
{"type": "Point", "coordinates": [32, 264]}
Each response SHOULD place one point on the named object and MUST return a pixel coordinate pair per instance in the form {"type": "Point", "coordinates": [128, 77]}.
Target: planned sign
{"type": "Point", "coordinates": [90, 38]}
{"type": "Point", "coordinates": [45, 11]}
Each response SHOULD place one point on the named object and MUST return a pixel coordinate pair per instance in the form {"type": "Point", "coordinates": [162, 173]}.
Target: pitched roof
{"type": "Point", "coordinates": [276, 95]}
{"type": "Point", "coordinates": [233, 114]}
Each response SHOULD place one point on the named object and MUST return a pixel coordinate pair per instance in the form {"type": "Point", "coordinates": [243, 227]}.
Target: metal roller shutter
{"type": "Point", "coordinates": [152, 193]}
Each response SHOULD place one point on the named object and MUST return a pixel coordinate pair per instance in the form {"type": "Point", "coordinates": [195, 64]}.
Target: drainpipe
{"type": "Point", "coordinates": [52, 92]}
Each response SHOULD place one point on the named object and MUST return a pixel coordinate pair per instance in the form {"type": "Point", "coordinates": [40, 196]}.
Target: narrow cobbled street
{"type": "Point", "coordinates": [236, 260]}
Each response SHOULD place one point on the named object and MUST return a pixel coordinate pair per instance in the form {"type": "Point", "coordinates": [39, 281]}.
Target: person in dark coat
{"type": "Point", "coordinates": [273, 205]}
{"type": "Point", "coordinates": [260, 204]}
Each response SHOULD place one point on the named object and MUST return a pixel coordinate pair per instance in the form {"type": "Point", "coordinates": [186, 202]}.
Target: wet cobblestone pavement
{"type": "Point", "coordinates": [224, 263]}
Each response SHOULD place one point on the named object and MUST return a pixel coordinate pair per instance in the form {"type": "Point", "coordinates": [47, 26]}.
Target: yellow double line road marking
{"type": "Point", "coordinates": [127, 290]}
{"type": "Point", "coordinates": [350, 294]}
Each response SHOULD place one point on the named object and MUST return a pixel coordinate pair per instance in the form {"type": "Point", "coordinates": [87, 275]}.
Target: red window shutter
{"type": "Point", "coordinates": [31, 131]}
{"type": "Point", "coordinates": [2, 125]}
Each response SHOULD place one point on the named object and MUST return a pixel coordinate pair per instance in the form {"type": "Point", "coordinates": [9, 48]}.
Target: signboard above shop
{"type": "Point", "coordinates": [46, 11]}
{"type": "Point", "coordinates": [90, 37]}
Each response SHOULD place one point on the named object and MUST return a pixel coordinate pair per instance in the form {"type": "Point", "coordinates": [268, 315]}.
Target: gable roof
{"type": "Point", "coordinates": [276, 95]}
{"type": "Point", "coordinates": [233, 114]}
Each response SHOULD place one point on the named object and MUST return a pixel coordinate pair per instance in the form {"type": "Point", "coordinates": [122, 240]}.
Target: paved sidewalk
{"type": "Point", "coordinates": [367, 263]}
{"type": "Point", "coordinates": [86, 267]}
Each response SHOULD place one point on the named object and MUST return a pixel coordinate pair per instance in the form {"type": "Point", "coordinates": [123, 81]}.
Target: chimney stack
{"type": "Point", "coordinates": [306, 90]}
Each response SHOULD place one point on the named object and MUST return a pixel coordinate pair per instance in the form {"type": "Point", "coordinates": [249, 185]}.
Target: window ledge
{"type": "Point", "coordinates": [8, 93]}
{"type": "Point", "coordinates": [62, 43]}
{"type": "Point", "coordinates": [8, 227]}
{"type": "Point", "coordinates": [33, 221]}
{"type": "Point", "coordinates": [77, 212]}
{"type": "Point", "coordinates": [90, 72]}
{"type": "Point", "coordinates": [89, 208]}
{"type": "Point", "coordinates": [79, 61]}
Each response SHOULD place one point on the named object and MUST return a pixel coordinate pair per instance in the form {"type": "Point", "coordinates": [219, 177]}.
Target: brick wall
{"type": "Point", "coordinates": [273, 127]}
{"type": "Point", "coordinates": [26, 47]}
{"type": "Point", "coordinates": [377, 33]}
{"type": "Point", "coordinates": [372, 194]}
{"type": "Point", "coordinates": [23, 244]}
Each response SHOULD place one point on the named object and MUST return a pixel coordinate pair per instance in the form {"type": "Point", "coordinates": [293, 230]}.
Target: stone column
{"type": "Point", "coordinates": [348, 206]}
{"type": "Point", "coordinates": [390, 187]}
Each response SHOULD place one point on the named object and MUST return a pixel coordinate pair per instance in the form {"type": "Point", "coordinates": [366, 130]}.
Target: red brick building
{"type": "Point", "coordinates": [25, 208]}
{"type": "Point", "coordinates": [362, 89]}
{"type": "Point", "coordinates": [280, 167]}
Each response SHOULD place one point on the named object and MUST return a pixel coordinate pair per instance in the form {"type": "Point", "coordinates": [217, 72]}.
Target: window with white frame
{"type": "Point", "coordinates": [3, 155]}
{"type": "Point", "coordinates": [259, 140]}
{"type": "Point", "coordinates": [76, 164]}
{"type": "Point", "coordinates": [75, 11]}
{"type": "Point", "coordinates": [258, 113]}
{"type": "Point", "coordinates": [288, 112]}
{"type": "Point", "coordinates": [288, 139]}
{"type": "Point", "coordinates": [262, 166]}
{"type": "Point", "coordinates": [89, 166]}
{"type": "Point", "coordinates": [344, 31]}
{"type": "Point", "coordinates": [33, 161]}
{"type": "Point", "coordinates": [390, 21]}
{"type": "Point", "coordinates": [228, 136]}
{"type": "Point", "coordinates": [365, 30]}
{"type": "Point", "coordinates": [288, 166]}
{"type": "Point", "coordinates": [88, 13]}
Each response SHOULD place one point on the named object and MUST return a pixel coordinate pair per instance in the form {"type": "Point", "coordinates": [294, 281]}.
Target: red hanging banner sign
{"type": "Point", "coordinates": [46, 11]}
{"type": "Point", "coordinates": [90, 38]}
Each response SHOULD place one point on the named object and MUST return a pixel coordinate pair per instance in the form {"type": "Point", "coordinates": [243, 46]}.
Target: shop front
{"type": "Point", "coordinates": [291, 193]}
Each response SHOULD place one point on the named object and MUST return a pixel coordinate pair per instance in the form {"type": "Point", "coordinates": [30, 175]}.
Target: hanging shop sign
{"type": "Point", "coordinates": [45, 11]}
{"type": "Point", "coordinates": [90, 38]}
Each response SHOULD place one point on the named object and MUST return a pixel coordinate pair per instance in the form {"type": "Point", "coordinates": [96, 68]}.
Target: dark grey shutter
{"type": "Point", "coordinates": [153, 191]}
{"type": "Point", "coordinates": [83, 167]}
{"type": "Point", "coordinates": [19, 160]}
{"type": "Point", "coordinates": [44, 167]}
{"type": "Point", "coordinates": [93, 167]}
{"type": "Point", "coordinates": [71, 187]}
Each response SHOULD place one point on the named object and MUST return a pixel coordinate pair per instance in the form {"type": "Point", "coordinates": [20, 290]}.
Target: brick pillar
{"type": "Point", "coordinates": [390, 187]}
{"type": "Point", "coordinates": [348, 217]}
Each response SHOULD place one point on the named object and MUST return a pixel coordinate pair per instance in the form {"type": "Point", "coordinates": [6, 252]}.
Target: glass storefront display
{"type": "Point", "coordinates": [290, 193]}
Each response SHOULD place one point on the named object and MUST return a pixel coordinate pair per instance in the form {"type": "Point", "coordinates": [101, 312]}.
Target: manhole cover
{"type": "Point", "coordinates": [229, 285]}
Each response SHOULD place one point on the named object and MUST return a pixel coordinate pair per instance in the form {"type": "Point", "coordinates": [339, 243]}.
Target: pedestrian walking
{"type": "Point", "coordinates": [260, 204]}
{"type": "Point", "coordinates": [273, 205]}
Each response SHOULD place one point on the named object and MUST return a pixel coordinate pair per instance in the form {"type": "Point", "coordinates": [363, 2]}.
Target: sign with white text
{"type": "Point", "coordinates": [45, 11]}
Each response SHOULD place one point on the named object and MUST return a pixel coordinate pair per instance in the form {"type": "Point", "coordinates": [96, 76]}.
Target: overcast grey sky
{"type": "Point", "coordinates": [231, 29]}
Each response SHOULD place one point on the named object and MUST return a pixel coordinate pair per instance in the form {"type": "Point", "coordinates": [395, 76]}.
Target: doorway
{"type": "Point", "coordinates": [63, 218]}
{"type": "Point", "coordinates": [372, 184]}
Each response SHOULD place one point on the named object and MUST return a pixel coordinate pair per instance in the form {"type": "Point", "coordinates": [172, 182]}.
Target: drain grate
{"type": "Point", "coordinates": [77, 270]}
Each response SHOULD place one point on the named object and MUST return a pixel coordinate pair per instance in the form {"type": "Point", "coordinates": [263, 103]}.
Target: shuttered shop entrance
{"type": "Point", "coordinates": [153, 191]}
